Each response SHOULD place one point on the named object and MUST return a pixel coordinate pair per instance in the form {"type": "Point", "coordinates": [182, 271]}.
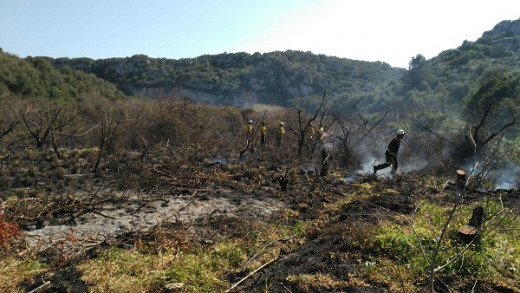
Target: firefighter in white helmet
{"type": "Point", "coordinates": [391, 154]}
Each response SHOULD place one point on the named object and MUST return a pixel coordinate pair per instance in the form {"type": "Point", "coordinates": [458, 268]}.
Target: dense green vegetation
{"type": "Point", "coordinates": [455, 74]}
{"type": "Point", "coordinates": [241, 79]}
{"type": "Point", "coordinates": [35, 77]}
{"type": "Point", "coordinates": [283, 78]}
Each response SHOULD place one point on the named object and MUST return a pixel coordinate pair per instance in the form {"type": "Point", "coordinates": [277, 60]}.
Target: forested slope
{"type": "Point", "coordinates": [35, 77]}
{"type": "Point", "coordinates": [455, 74]}
{"type": "Point", "coordinates": [240, 78]}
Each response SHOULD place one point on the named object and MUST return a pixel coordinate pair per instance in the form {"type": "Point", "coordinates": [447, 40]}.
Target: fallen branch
{"type": "Point", "coordinates": [154, 168]}
{"type": "Point", "coordinates": [266, 246]}
{"type": "Point", "coordinates": [148, 202]}
{"type": "Point", "coordinates": [249, 275]}
{"type": "Point", "coordinates": [45, 284]}
{"type": "Point", "coordinates": [189, 201]}
{"type": "Point", "coordinates": [95, 212]}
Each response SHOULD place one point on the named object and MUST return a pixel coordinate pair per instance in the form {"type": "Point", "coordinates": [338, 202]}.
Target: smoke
{"type": "Point", "coordinates": [367, 163]}
{"type": "Point", "coordinates": [503, 175]}
{"type": "Point", "coordinates": [372, 152]}
{"type": "Point", "coordinates": [366, 168]}
{"type": "Point", "coordinates": [411, 164]}
{"type": "Point", "coordinates": [506, 177]}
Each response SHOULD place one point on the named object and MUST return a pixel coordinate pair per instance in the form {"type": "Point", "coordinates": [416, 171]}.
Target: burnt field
{"type": "Point", "coordinates": [171, 196]}
{"type": "Point", "coordinates": [332, 227]}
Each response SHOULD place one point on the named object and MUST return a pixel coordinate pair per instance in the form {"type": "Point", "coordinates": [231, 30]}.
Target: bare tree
{"type": "Point", "coordinates": [47, 121]}
{"type": "Point", "coordinates": [39, 122]}
{"type": "Point", "coordinates": [59, 131]}
{"type": "Point", "coordinates": [305, 124]}
{"type": "Point", "coordinates": [251, 138]}
{"type": "Point", "coordinates": [106, 133]}
{"type": "Point", "coordinates": [354, 128]}
{"type": "Point", "coordinates": [7, 127]}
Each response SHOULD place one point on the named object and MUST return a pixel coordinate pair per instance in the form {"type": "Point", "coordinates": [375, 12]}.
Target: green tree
{"type": "Point", "coordinates": [493, 109]}
{"type": "Point", "coordinates": [419, 74]}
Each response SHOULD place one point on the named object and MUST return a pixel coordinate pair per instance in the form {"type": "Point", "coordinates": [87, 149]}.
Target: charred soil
{"type": "Point", "coordinates": [190, 201]}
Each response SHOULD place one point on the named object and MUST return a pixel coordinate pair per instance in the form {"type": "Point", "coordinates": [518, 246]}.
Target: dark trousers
{"type": "Point", "coordinates": [390, 160]}
{"type": "Point", "coordinates": [279, 140]}
{"type": "Point", "coordinates": [262, 139]}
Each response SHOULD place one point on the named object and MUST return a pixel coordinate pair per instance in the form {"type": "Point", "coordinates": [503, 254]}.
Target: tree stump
{"type": "Point", "coordinates": [467, 233]}
{"type": "Point", "coordinates": [477, 217]}
{"type": "Point", "coordinates": [324, 171]}
{"type": "Point", "coordinates": [461, 181]}
{"type": "Point", "coordinates": [283, 181]}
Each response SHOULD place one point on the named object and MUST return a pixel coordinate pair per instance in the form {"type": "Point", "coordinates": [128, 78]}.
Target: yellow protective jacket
{"type": "Point", "coordinates": [263, 130]}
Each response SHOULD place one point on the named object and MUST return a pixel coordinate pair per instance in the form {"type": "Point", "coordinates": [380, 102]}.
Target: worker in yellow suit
{"type": "Point", "coordinates": [279, 134]}
{"type": "Point", "coordinates": [263, 134]}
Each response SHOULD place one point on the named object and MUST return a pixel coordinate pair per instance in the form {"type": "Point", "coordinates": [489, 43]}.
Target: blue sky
{"type": "Point", "coordinates": [371, 30]}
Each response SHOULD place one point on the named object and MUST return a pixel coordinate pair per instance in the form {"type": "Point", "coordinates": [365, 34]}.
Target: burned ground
{"type": "Point", "coordinates": [173, 200]}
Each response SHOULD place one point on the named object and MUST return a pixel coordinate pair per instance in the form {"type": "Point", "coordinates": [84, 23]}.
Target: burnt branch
{"type": "Point", "coordinates": [303, 126]}
{"type": "Point", "coordinates": [502, 129]}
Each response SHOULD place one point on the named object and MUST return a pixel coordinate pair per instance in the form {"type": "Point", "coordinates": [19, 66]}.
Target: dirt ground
{"type": "Point", "coordinates": [210, 198]}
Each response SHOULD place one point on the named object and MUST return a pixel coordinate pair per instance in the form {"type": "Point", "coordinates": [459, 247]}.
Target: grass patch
{"type": "Point", "coordinates": [312, 282]}
{"type": "Point", "coordinates": [14, 272]}
{"type": "Point", "coordinates": [195, 269]}
{"type": "Point", "coordinates": [118, 270]}
{"type": "Point", "coordinates": [494, 260]}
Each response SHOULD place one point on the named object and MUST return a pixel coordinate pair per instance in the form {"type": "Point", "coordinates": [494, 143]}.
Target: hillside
{"type": "Point", "coordinates": [137, 195]}
{"type": "Point", "coordinates": [35, 77]}
{"type": "Point", "coordinates": [455, 74]}
{"type": "Point", "coordinates": [282, 78]}
{"type": "Point", "coordinates": [241, 79]}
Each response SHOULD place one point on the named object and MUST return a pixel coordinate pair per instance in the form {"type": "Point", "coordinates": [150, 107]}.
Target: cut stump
{"type": "Point", "coordinates": [467, 233]}
{"type": "Point", "coordinates": [461, 181]}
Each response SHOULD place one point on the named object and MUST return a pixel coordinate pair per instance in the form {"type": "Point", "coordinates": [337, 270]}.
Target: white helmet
{"type": "Point", "coordinates": [400, 132]}
{"type": "Point", "coordinates": [250, 121]}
